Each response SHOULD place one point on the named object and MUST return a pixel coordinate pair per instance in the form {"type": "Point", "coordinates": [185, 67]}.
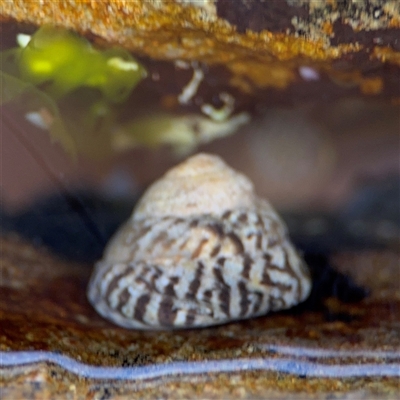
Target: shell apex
{"type": "Point", "coordinates": [202, 184]}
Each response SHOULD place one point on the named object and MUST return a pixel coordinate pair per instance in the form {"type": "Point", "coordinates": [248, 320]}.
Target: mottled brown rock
{"type": "Point", "coordinates": [43, 307]}
{"type": "Point", "coordinates": [262, 53]}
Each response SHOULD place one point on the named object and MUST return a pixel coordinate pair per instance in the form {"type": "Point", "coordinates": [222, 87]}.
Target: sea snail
{"type": "Point", "coordinates": [200, 249]}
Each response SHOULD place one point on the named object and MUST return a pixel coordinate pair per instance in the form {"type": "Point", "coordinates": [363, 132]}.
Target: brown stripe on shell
{"type": "Point", "coordinates": [114, 283]}
{"type": "Point", "coordinates": [266, 279]}
{"type": "Point", "coordinates": [196, 282]}
{"type": "Point", "coordinates": [260, 222]}
{"type": "Point", "coordinates": [215, 251]}
{"type": "Point", "coordinates": [194, 223]}
{"type": "Point", "coordinates": [162, 235]}
{"type": "Point", "coordinates": [166, 311]}
{"type": "Point", "coordinates": [259, 241]}
{"type": "Point", "coordinates": [221, 261]}
{"type": "Point", "coordinates": [236, 242]}
{"type": "Point", "coordinates": [182, 246]}
{"type": "Point", "coordinates": [199, 248]}
{"type": "Point", "coordinates": [143, 231]}
{"type": "Point", "coordinates": [123, 298]}
{"type": "Point", "coordinates": [274, 242]}
{"type": "Point", "coordinates": [165, 229]}
{"type": "Point", "coordinates": [247, 263]}
{"type": "Point", "coordinates": [216, 228]}
{"type": "Point", "coordinates": [190, 317]}
{"type": "Point", "coordinates": [140, 307]}
{"type": "Point", "coordinates": [150, 285]}
{"type": "Point", "coordinates": [290, 271]}
{"type": "Point", "coordinates": [226, 214]}
{"type": "Point", "coordinates": [224, 292]}
{"type": "Point", "coordinates": [258, 302]}
{"type": "Point", "coordinates": [168, 244]}
{"type": "Point", "coordinates": [243, 218]}
{"type": "Point", "coordinates": [207, 294]}
{"type": "Point", "coordinates": [277, 303]}
{"type": "Point", "coordinates": [244, 298]}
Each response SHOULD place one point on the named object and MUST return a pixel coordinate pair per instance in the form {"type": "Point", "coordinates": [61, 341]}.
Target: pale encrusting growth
{"type": "Point", "coordinates": [200, 249]}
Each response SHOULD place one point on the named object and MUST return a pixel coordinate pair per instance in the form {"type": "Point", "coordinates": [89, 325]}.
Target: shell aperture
{"type": "Point", "coordinates": [200, 249]}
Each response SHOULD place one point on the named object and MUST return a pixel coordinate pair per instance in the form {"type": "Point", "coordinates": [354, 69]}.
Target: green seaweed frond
{"type": "Point", "coordinates": [53, 66]}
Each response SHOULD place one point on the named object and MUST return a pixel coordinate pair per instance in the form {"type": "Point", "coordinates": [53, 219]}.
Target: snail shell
{"type": "Point", "coordinates": [200, 249]}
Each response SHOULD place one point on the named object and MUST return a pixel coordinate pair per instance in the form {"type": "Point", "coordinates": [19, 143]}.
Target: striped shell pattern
{"type": "Point", "coordinates": [200, 249]}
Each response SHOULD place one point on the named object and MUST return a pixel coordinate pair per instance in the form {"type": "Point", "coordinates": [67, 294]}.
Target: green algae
{"type": "Point", "coordinates": [61, 75]}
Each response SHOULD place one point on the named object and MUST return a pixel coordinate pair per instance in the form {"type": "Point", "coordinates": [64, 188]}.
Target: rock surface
{"type": "Point", "coordinates": [52, 341]}
{"type": "Point", "coordinates": [260, 52]}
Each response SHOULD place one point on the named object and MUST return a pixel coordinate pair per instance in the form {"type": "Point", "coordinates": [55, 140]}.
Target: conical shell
{"type": "Point", "coordinates": [200, 249]}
